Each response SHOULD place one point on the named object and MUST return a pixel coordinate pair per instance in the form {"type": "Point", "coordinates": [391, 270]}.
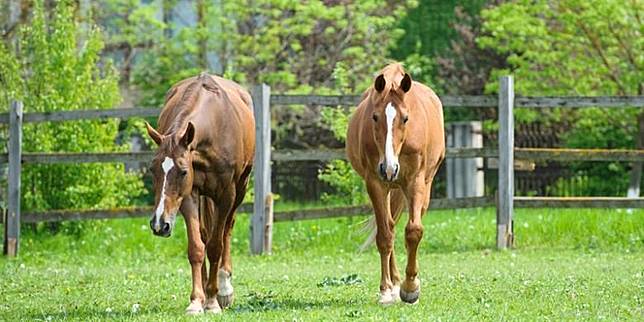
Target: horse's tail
{"type": "Point", "coordinates": [397, 204]}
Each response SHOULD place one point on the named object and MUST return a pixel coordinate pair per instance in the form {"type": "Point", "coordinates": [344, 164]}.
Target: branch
{"type": "Point", "coordinates": [597, 46]}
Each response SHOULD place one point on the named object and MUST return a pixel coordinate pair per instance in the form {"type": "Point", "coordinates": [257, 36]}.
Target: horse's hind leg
{"type": "Point", "coordinates": [216, 246]}
{"type": "Point", "coordinates": [224, 274]}
{"type": "Point", "coordinates": [397, 204]}
{"type": "Point", "coordinates": [225, 294]}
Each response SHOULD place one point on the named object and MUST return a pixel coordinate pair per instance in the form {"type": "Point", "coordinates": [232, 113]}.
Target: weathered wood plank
{"type": "Point", "coordinates": [93, 214]}
{"type": "Point", "coordinates": [291, 215]}
{"type": "Point", "coordinates": [325, 100]}
{"type": "Point", "coordinates": [353, 100]}
{"type": "Point", "coordinates": [260, 220]}
{"type": "Point", "coordinates": [578, 202]}
{"type": "Point", "coordinates": [361, 210]}
{"type": "Point", "coordinates": [527, 154]}
{"type": "Point", "coordinates": [580, 101]}
{"type": "Point", "coordinates": [75, 115]}
{"type": "Point", "coordinates": [505, 193]}
{"type": "Point", "coordinates": [546, 154]}
{"type": "Point", "coordinates": [348, 100]}
{"type": "Point", "coordinates": [333, 212]}
{"type": "Point", "coordinates": [12, 229]}
{"type": "Point", "coordinates": [469, 101]}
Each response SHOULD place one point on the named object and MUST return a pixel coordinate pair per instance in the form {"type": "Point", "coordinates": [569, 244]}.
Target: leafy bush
{"type": "Point", "coordinates": [56, 71]}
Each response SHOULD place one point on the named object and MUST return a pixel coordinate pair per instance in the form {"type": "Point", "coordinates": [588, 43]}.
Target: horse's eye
{"type": "Point", "coordinates": [375, 118]}
{"type": "Point", "coordinates": [183, 173]}
{"type": "Point", "coordinates": [405, 119]}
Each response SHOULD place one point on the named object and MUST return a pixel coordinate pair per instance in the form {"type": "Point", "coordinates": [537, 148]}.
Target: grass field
{"type": "Point", "coordinates": [568, 264]}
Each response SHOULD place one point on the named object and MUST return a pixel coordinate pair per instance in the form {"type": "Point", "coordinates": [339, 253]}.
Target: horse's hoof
{"type": "Point", "coordinates": [386, 298]}
{"type": "Point", "coordinates": [410, 291]}
{"type": "Point", "coordinates": [225, 289]}
{"type": "Point", "coordinates": [212, 306]}
{"type": "Point", "coordinates": [194, 308]}
{"type": "Point", "coordinates": [395, 293]}
{"type": "Point", "coordinates": [225, 301]}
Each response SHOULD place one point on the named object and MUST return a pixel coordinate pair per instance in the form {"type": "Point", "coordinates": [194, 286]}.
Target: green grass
{"type": "Point", "coordinates": [568, 264]}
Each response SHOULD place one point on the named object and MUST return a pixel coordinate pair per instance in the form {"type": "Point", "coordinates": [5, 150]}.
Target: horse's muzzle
{"type": "Point", "coordinates": [388, 173]}
{"type": "Point", "coordinates": [161, 228]}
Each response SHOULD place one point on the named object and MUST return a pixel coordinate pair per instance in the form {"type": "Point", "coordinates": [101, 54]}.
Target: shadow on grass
{"type": "Point", "coordinates": [86, 313]}
{"type": "Point", "coordinates": [268, 303]}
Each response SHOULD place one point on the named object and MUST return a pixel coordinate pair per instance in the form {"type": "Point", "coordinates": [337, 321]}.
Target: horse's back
{"type": "Point", "coordinates": [426, 100]}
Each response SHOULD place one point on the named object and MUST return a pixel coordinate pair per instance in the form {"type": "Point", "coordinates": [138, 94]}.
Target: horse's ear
{"type": "Point", "coordinates": [405, 84]}
{"type": "Point", "coordinates": [379, 84]}
{"type": "Point", "coordinates": [188, 134]}
{"type": "Point", "coordinates": [156, 136]}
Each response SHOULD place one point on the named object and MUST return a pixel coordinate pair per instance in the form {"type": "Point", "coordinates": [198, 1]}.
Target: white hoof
{"type": "Point", "coordinates": [194, 308]}
{"type": "Point", "coordinates": [224, 289]}
{"type": "Point", "coordinates": [411, 296]}
{"type": "Point", "coordinates": [386, 298]}
{"type": "Point", "coordinates": [395, 293]}
{"type": "Point", "coordinates": [212, 306]}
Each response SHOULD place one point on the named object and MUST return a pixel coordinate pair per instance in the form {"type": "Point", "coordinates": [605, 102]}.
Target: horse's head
{"type": "Point", "coordinates": [173, 174]}
{"type": "Point", "coordinates": [390, 116]}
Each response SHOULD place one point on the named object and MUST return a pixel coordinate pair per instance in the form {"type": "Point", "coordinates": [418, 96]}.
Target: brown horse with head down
{"type": "Point", "coordinates": [206, 140]}
{"type": "Point", "coordinates": [396, 143]}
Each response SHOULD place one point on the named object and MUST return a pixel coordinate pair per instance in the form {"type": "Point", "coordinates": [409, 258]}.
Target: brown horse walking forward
{"type": "Point", "coordinates": [396, 142]}
{"type": "Point", "coordinates": [206, 140]}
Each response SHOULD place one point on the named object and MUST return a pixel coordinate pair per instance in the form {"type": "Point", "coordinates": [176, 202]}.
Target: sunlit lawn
{"type": "Point", "coordinates": [568, 264]}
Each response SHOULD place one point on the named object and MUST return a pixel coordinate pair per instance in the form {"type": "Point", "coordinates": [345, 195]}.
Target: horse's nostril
{"type": "Point", "coordinates": [383, 171]}
{"type": "Point", "coordinates": [166, 228]}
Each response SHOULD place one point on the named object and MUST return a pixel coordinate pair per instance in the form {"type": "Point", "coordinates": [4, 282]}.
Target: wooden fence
{"type": "Point", "coordinates": [263, 217]}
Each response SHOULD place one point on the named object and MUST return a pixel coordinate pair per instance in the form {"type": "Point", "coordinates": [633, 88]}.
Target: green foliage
{"type": "Point", "coordinates": [349, 187]}
{"type": "Point", "coordinates": [56, 71]}
{"type": "Point", "coordinates": [292, 46]}
{"type": "Point", "coordinates": [568, 47]}
{"type": "Point", "coordinates": [430, 29]}
{"type": "Point", "coordinates": [574, 47]}
{"type": "Point", "coordinates": [347, 184]}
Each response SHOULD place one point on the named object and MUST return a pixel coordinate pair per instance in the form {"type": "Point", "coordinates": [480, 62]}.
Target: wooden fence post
{"type": "Point", "coordinates": [505, 195]}
{"type": "Point", "coordinates": [12, 219]}
{"type": "Point", "coordinates": [262, 221]}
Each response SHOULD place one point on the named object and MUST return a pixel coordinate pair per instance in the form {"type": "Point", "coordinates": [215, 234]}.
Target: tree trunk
{"type": "Point", "coordinates": [202, 38]}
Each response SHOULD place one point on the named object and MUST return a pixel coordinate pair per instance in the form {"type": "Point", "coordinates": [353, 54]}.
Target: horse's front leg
{"type": "Point", "coordinates": [196, 253]}
{"type": "Point", "coordinates": [417, 194]}
{"type": "Point", "coordinates": [384, 238]}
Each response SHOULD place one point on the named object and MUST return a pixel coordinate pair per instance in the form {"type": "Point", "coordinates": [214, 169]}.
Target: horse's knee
{"type": "Point", "coordinates": [413, 233]}
{"type": "Point", "coordinates": [385, 241]}
{"type": "Point", "coordinates": [196, 253]}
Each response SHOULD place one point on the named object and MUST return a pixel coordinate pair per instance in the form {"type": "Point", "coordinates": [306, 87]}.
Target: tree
{"type": "Point", "coordinates": [51, 71]}
{"type": "Point", "coordinates": [576, 47]}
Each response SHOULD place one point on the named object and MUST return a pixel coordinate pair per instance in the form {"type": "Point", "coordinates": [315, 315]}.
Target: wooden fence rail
{"type": "Point", "coordinates": [532, 154]}
{"type": "Point", "coordinates": [346, 211]}
{"type": "Point", "coordinates": [347, 100]}
{"type": "Point", "coordinates": [262, 210]}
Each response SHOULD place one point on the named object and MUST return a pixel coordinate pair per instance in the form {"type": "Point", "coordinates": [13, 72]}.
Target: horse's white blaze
{"type": "Point", "coordinates": [167, 165]}
{"type": "Point", "coordinates": [390, 157]}
{"type": "Point", "coordinates": [224, 286]}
